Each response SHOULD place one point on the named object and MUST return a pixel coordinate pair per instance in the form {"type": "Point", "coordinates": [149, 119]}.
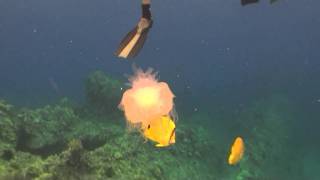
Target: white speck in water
{"type": "Point", "coordinates": [204, 42]}
{"type": "Point", "coordinates": [195, 109]}
{"type": "Point", "coordinates": [34, 30]}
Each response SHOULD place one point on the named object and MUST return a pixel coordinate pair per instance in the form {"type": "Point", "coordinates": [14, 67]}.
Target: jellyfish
{"type": "Point", "coordinates": [147, 99]}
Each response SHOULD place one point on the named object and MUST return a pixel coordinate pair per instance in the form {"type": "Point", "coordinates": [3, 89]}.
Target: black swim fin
{"type": "Point", "coordinates": [133, 42]}
{"type": "Point", "coordinates": [246, 2]}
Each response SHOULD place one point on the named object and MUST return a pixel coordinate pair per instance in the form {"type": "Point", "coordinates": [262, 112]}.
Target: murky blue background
{"type": "Point", "coordinates": [215, 54]}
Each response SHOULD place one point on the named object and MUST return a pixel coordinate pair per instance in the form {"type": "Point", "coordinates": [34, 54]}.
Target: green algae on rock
{"type": "Point", "coordinates": [8, 136]}
{"type": "Point", "coordinates": [61, 142]}
{"type": "Point", "coordinates": [44, 130]}
{"type": "Point", "coordinates": [266, 129]}
{"type": "Point", "coordinates": [103, 93]}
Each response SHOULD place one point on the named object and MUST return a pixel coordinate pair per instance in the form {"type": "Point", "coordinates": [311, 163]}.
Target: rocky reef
{"type": "Point", "coordinates": [64, 141]}
{"type": "Point", "coordinates": [77, 148]}
{"type": "Point", "coordinates": [103, 93]}
{"type": "Point", "coordinates": [8, 131]}
{"type": "Point", "coordinates": [266, 128]}
{"type": "Point", "coordinates": [44, 130]}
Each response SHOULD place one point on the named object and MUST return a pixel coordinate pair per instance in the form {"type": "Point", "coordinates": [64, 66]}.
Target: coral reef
{"type": "Point", "coordinates": [122, 154]}
{"type": "Point", "coordinates": [45, 130]}
{"type": "Point", "coordinates": [92, 149]}
{"type": "Point", "coordinates": [103, 93]}
{"type": "Point", "coordinates": [63, 142]}
{"type": "Point", "coordinates": [8, 136]}
{"type": "Point", "coordinates": [266, 128]}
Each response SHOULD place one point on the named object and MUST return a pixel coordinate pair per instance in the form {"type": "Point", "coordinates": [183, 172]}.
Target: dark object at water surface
{"type": "Point", "coordinates": [246, 2]}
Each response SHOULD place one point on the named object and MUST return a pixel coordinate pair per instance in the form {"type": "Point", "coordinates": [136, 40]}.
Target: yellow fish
{"type": "Point", "coordinates": [237, 151]}
{"type": "Point", "coordinates": [161, 131]}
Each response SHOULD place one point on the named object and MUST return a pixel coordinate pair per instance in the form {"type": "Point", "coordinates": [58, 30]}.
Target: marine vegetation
{"type": "Point", "coordinates": [8, 129]}
{"type": "Point", "coordinates": [103, 93]}
{"type": "Point", "coordinates": [60, 141]}
{"type": "Point", "coordinates": [45, 130]}
{"type": "Point", "coordinates": [266, 129]}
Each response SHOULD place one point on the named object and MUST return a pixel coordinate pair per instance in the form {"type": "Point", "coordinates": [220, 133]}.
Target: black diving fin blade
{"type": "Point", "coordinates": [132, 43]}
{"type": "Point", "coordinates": [246, 2]}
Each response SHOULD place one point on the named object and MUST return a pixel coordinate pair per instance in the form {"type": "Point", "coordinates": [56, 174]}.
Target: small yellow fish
{"type": "Point", "coordinates": [237, 151]}
{"type": "Point", "coordinates": [161, 131]}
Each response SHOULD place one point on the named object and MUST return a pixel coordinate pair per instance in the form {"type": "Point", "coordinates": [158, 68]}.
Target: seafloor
{"type": "Point", "coordinates": [92, 142]}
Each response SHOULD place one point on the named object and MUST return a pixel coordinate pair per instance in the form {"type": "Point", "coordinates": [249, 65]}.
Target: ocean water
{"type": "Point", "coordinates": [251, 71]}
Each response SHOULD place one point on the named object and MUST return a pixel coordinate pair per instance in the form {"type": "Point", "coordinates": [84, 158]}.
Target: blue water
{"type": "Point", "coordinates": [216, 55]}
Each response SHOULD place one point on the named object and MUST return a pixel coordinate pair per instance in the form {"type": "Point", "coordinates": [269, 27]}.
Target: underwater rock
{"type": "Point", "coordinates": [124, 155]}
{"type": "Point", "coordinates": [266, 128]}
{"type": "Point", "coordinates": [7, 154]}
{"type": "Point", "coordinates": [22, 166]}
{"type": "Point", "coordinates": [45, 130]}
{"type": "Point", "coordinates": [194, 142]}
{"type": "Point", "coordinates": [5, 108]}
{"type": "Point", "coordinates": [75, 155]}
{"type": "Point", "coordinates": [54, 143]}
{"type": "Point", "coordinates": [90, 131]}
{"type": "Point", "coordinates": [103, 93]}
{"type": "Point", "coordinates": [94, 134]}
{"type": "Point", "coordinates": [8, 137]}
{"type": "Point", "coordinates": [71, 164]}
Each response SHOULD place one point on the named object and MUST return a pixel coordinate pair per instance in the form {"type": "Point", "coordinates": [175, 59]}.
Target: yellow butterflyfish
{"type": "Point", "coordinates": [237, 151]}
{"type": "Point", "coordinates": [161, 131]}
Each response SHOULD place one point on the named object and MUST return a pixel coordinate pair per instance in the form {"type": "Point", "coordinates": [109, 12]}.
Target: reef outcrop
{"type": "Point", "coordinates": [103, 93]}
{"type": "Point", "coordinates": [72, 142]}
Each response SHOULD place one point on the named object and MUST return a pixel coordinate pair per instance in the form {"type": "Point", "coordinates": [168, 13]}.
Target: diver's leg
{"type": "Point", "coordinates": [133, 42]}
{"type": "Point", "coordinates": [145, 2]}
{"type": "Point", "coordinates": [146, 13]}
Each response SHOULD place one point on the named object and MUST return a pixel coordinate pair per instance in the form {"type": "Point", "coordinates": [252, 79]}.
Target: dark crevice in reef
{"type": "Point", "coordinates": [92, 144]}
{"type": "Point", "coordinates": [7, 155]}
{"type": "Point", "coordinates": [47, 150]}
{"type": "Point", "coordinates": [44, 151]}
{"type": "Point", "coordinates": [22, 138]}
